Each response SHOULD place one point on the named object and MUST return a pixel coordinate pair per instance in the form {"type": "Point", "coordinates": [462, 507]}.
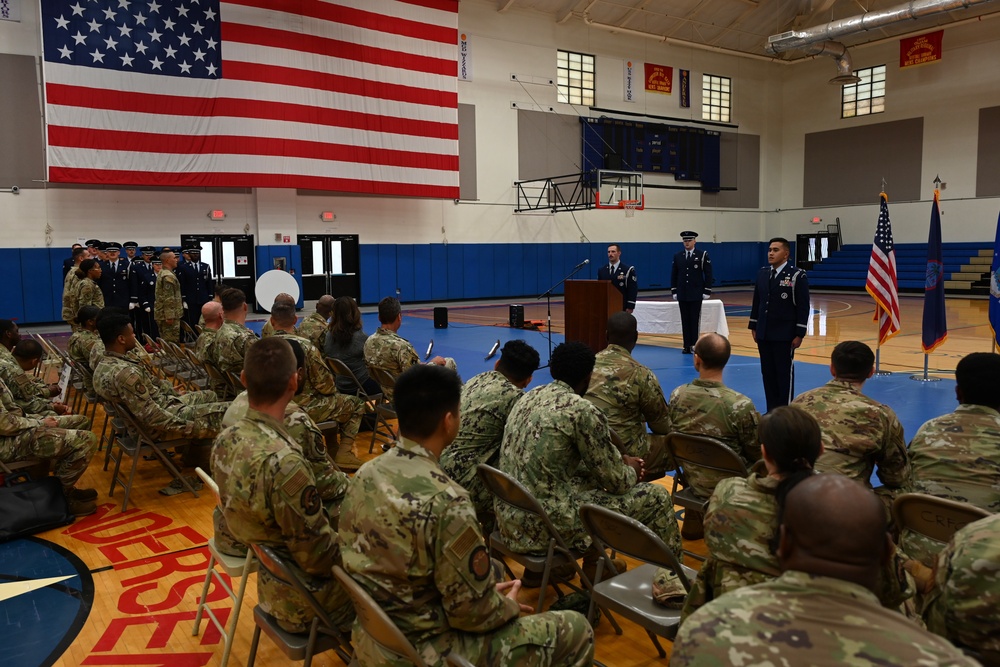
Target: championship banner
{"type": "Point", "coordinates": [464, 58]}
{"type": "Point", "coordinates": [659, 79]}
{"type": "Point", "coordinates": [10, 10]}
{"type": "Point", "coordinates": [920, 50]}
{"type": "Point", "coordinates": [685, 84]}
{"type": "Point", "coordinates": [628, 79]}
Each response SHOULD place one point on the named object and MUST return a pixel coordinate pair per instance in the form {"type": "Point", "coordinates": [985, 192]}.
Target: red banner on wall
{"type": "Point", "coordinates": [920, 50]}
{"type": "Point", "coordinates": [659, 78]}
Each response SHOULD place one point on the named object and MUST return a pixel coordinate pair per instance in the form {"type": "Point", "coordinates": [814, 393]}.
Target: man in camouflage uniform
{"type": "Point", "coordinates": [858, 432]}
{"type": "Point", "coordinates": [70, 450]}
{"type": "Point", "coordinates": [69, 307]}
{"type": "Point", "coordinates": [487, 400]}
{"type": "Point", "coordinates": [629, 395]}
{"type": "Point", "coordinates": [82, 343]}
{"type": "Point", "coordinates": [31, 394]}
{"type": "Point", "coordinates": [411, 539]}
{"type": "Point", "coordinates": [822, 609]}
{"type": "Point", "coordinates": [387, 350]}
{"type": "Point", "coordinates": [314, 326]}
{"type": "Point", "coordinates": [168, 305]}
{"type": "Point", "coordinates": [268, 328]}
{"type": "Point", "coordinates": [233, 340]}
{"type": "Point", "coordinates": [211, 315]}
{"type": "Point", "coordinates": [319, 396]}
{"type": "Point", "coordinates": [553, 434]}
{"type": "Point", "coordinates": [269, 494]}
{"type": "Point", "coordinates": [964, 604]}
{"type": "Point", "coordinates": [121, 378]}
{"type": "Point", "coordinates": [957, 456]}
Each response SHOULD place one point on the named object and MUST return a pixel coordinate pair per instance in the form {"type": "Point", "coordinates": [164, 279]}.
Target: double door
{"type": "Point", "coordinates": [330, 265]}
{"type": "Point", "coordinates": [231, 257]}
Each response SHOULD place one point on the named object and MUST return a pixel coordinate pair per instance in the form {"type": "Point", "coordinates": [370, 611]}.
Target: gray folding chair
{"type": "Point", "coordinates": [703, 452]}
{"type": "Point", "coordinates": [383, 430]}
{"type": "Point", "coordinates": [933, 517]}
{"type": "Point", "coordinates": [383, 408]}
{"type": "Point", "coordinates": [631, 593]}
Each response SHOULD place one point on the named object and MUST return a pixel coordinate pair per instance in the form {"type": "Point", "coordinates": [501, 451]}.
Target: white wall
{"type": "Point", "coordinates": [781, 103]}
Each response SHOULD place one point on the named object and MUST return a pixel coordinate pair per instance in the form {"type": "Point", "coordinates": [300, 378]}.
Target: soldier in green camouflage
{"type": "Point", "coordinates": [859, 433]}
{"type": "Point", "coordinates": [82, 343]}
{"type": "Point", "coordinates": [268, 329]}
{"type": "Point", "coordinates": [629, 395]}
{"type": "Point", "coordinates": [411, 539]}
{"type": "Point", "coordinates": [552, 434]}
{"type": "Point", "coordinates": [822, 610]}
{"type": "Point", "coordinates": [314, 325]}
{"type": "Point", "coordinates": [31, 395]}
{"type": "Point", "coordinates": [88, 292]}
{"type": "Point", "coordinates": [964, 604]}
{"type": "Point", "coordinates": [487, 400]}
{"type": "Point", "coordinates": [387, 350]}
{"type": "Point", "coordinates": [211, 314]}
{"type": "Point", "coordinates": [69, 305]}
{"type": "Point", "coordinates": [319, 396]}
{"type": "Point", "coordinates": [269, 494]}
{"type": "Point", "coordinates": [121, 378]}
{"type": "Point", "coordinates": [168, 307]}
{"type": "Point", "coordinates": [233, 339]}
{"type": "Point", "coordinates": [957, 456]}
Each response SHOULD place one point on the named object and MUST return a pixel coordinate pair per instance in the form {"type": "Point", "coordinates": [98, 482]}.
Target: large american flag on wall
{"type": "Point", "coordinates": [348, 95]}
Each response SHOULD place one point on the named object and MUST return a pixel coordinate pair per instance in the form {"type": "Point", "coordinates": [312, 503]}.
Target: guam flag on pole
{"type": "Point", "coordinates": [935, 329]}
{"type": "Point", "coordinates": [995, 289]}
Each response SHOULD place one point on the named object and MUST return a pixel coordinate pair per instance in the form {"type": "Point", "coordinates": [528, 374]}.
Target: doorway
{"type": "Point", "coordinates": [330, 265]}
{"type": "Point", "coordinates": [231, 257]}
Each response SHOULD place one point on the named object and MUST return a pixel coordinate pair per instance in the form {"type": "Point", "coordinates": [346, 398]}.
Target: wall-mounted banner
{"type": "Point", "coordinates": [920, 50]}
{"type": "Point", "coordinates": [629, 80]}
{"type": "Point", "coordinates": [685, 84]}
{"type": "Point", "coordinates": [659, 79]}
{"type": "Point", "coordinates": [10, 10]}
{"type": "Point", "coordinates": [464, 58]}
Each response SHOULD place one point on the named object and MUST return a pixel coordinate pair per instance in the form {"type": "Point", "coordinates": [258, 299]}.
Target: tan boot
{"type": "Point", "coordinates": [81, 507]}
{"type": "Point", "coordinates": [346, 459]}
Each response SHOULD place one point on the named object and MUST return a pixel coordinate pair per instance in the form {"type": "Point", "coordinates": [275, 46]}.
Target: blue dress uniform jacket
{"type": "Point", "coordinates": [624, 281]}
{"type": "Point", "coordinates": [115, 284]}
{"type": "Point", "coordinates": [691, 279]}
{"type": "Point", "coordinates": [197, 287]}
{"type": "Point", "coordinates": [142, 279]}
{"type": "Point", "coordinates": [784, 313]}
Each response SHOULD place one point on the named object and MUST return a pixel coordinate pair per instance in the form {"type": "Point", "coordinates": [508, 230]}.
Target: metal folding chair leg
{"type": "Point", "coordinates": [249, 565]}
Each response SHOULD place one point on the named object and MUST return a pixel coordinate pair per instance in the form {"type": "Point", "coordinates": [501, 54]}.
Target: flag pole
{"type": "Point", "coordinates": [878, 354]}
{"type": "Point", "coordinates": [934, 307]}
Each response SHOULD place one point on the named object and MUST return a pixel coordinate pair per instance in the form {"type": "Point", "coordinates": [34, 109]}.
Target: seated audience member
{"type": "Point", "coordinates": [211, 315]}
{"type": "Point", "coordinates": [70, 450]}
{"type": "Point", "coordinates": [552, 434]}
{"type": "Point", "coordinates": [957, 456]}
{"type": "Point", "coordinates": [268, 329]}
{"type": "Point", "coordinates": [859, 433]}
{"type": "Point", "coordinates": [83, 341]}
{"type": "Point", "coordinates": [387, 350]}
{"type": "Point", "coordinates": [32, 395]}
{"type": "Point", "coordinates": [121, 378]}
{"type": "Point", "coordinates": [233, 339]}
{"type": "Point", "coordinates": [629, 394]}
{"type": "Point", "coordinates": [345, 341]}
{"type": "Point", "coordinates": [269, 494]}
{"type": "Point", "coordinates": [707, 407]}
{"type": "Point", "coordinates": [487, 400]}
{"type": "Point", "coordinates": [741, 520]}
{"type": "Point", "coordinates": [963, 595]}
{"type": "Point", "coordinates": [313, 327]}
{"type": "Point", "coordinates": [822, 610]}
{"type": "Point", "coordinates": [411, 539]}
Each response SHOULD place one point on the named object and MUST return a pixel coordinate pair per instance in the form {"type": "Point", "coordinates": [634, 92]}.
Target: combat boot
{"type": "Point", "coordinates": [81, 507]}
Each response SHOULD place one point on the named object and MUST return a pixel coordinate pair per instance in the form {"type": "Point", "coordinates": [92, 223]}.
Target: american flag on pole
{"type": "Point", "coordinates": [881, 283]}
{"type": "Point", "coordinates": [348, 95]}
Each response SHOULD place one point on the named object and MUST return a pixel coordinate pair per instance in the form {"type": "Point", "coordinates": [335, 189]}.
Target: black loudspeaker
{"type": "Point", "coordinates": [440, 318]}
{"type": "Point", "coordinates": [516, 316]}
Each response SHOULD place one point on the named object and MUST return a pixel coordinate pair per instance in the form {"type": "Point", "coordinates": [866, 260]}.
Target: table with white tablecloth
{"type": "Point", "coordinates": [664, 317]}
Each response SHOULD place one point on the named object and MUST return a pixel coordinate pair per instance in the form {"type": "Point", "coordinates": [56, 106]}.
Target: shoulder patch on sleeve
{"type": "Point", "coordinates": [295, 483]}
{"type": "Point", "coordinates": [479, 563]}
{"type": "Point", "coordinates": [311, 502]}
{"type": "Point", "coordinates": [463, 543]}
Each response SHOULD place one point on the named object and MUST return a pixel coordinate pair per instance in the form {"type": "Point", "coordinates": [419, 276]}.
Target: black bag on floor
{"type": "Point", "coordinates": [30, 506]}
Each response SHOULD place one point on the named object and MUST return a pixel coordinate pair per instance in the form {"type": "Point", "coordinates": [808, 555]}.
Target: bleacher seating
{"type": "Point", "coordinates": [847, 268]}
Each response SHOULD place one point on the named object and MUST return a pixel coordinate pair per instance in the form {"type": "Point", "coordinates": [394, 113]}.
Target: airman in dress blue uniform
{"type": "Point", "coordinates": [114, 277]}
{"type": "Point", "coordinates": [197, 285]}
{"type": "Point", "coordinates": [690, 283]}
{"type": "Point", "coordinates": [621, 275]}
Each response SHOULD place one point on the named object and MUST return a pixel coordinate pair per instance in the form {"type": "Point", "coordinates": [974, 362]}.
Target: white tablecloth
{"type": "Point", "coordinates": [665, 317]}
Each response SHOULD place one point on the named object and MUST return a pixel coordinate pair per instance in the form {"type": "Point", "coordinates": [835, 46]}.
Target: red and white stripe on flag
{"type": "Point", "coordinates": [881, 282]}
{"type": "Point", "coordinates": [352, 96]}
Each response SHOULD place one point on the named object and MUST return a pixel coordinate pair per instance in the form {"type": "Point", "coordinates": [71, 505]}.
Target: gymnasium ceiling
{"type": "Point", "coordinates": [745, 25]}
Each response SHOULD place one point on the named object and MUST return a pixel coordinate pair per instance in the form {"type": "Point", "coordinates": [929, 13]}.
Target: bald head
{"type": "Point", "coordinates": [325, 305]}
{"type": "Point", "coordinates": [212, 312]}
{"type": "Point", "coordinates": [284, 298]}
{"type": "Point", "coordinates": [834, 526]}
{"type": "Point", "coordinates": [713, 350]}
{"type": "Point", "coordinates": [623, 330]}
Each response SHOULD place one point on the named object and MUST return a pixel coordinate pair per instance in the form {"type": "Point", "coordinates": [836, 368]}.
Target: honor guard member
{"type": "Point", "coordinates": [92, 246]}
{"type": "Point", "coordinates": [142, 283]}
{"type": "Point", "coordinates": [197, 285]}
{"type": "Point", "coordinates": [114, 277]}
{"type": "Point", "coordinates": [621, 275]}
{"type": "Point", "coordinates": [778, 320]}
{"type": "Point", "coordinates": [690, 284]}
{"type": "Point", "coordinates": [167, 310]}
{"type": "Point", "coordinates": [131, 248]}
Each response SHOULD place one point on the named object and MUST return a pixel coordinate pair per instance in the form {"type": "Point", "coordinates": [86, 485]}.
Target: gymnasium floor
{"type": "Point", "coordinates": [132, 579]}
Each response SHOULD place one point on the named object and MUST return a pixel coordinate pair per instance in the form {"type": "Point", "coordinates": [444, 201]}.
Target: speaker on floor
{"type": "Point", "coordinates": [516, 316]}
{"type": "Point", "coordinates": [440, 317]}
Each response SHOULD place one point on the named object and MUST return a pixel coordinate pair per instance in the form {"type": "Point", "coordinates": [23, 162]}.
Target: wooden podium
{"type": "Point", "coordinates": [589, 303]}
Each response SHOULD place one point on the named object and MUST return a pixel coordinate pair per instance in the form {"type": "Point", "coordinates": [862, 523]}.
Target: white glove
{"type": "Point", "coordinates": [705, 297]}
{"type": "Point", "coordinates": [675, 297]}
{"type": "Point", "coordinates": [132, 305]}
{"type": "Point", "coordinates": [184, 305]}
{"type": "Point", "coordinates": [147, 310]}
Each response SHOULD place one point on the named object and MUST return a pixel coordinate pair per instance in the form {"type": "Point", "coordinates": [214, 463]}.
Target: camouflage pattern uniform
{"type": "Point", "coordinates": [309, 442]}
{"type": "Point", "coordinates": [955, 456]}
{"type": "Point", "coordinates": [80, 347]}
{"type": "Point", "coordinates": [27, 437]}
{"type": "Point", "coordinates": [230, 346]}
{"type": "Point", "coordinates": [313, 328]}
{"type": "Point", "coordinates": [267, 329]}
{"type": "Point", "coordinates": [204, 342]}
{"type": "Point", "coordinates": [197, 414]}
{"type": "Point", "coordinates": [858, 433]}
{"type": "Point", "coordinates": [69, 309]}
{"type": "Point", "coordinates": [964, 606]}
{"type": "Point", "coordinates": [708, 407]}
{"type": "Point", "coordinates": [392, 353]}
{"type": "Point", "coordinates": [269, 497]}
{"type": "Point", "coordinates": [168, 305]}
{"type": "Point", "coordinates": [551, 434]}
{"type": "Point", "coordinates": [411, 539]}
{"type": "Point", "coordinates": [487, 400]}
{"type": "Point", "coordinates": [804, 619]}
{"type": "Point", "coordinates": [630, 397]}
{"type": "Point", "coordinates": [31, 396]}
{"type": "Point", "coordinates": [88, 293]}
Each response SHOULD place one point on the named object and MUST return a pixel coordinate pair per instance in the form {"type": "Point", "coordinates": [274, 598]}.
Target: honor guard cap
{"type": "Point", "coordinates": [112, 245]}
{"type": "Point", "coordinates": [130, 244]}
{"type": "Point", "coordinates": [93, 243]}
{"type": "Point", "coordinates": [193, 248]}
{"type": "Point", "coordinates": [689, 236]}
{"type": "Point", "coordinates": [156, 259]}
{"type": "Point", "coordinates": [148, 250]}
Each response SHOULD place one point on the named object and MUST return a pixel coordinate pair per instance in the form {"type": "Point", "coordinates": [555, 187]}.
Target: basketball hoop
{"type": "Point", "coordinates": [630, 206]}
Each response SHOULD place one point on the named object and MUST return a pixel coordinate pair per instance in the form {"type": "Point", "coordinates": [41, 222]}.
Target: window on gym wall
{"type": "Point", "coordinates": [867, 96]}
{"type": "Point", "coordinates": [575, 78]}
{"type": "Point", "coordinates": [715, 97]}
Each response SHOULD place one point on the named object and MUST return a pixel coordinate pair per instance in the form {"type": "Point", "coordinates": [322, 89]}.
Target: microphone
{"type": "Point", "coordinates": [430, 348]}
{"type": "Point", "coordinates": [581, 264]}
{"type": "Point", "coordinates": [493, 350]}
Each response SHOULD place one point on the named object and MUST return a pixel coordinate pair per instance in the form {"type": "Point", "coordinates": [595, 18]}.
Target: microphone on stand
{"type": "Point", "coordinates": [581, 265]}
